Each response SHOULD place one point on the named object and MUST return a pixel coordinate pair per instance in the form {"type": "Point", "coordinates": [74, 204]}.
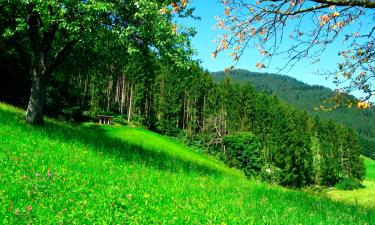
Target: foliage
{"type": "Point", "coordinates": [44, 34]}
{"type": "Point", "coordinates": [244, 152]}
{"type": "Point", "coordinates": [120, 120]}
{"type": "Point", "coordinates": [128, 58]}
{"type": "Point", "coordinates": [59, 173]}
{"type": "Point", "coordinates": [349, 183]}
{"type": "Point", "coordinates": [189, 104]}
{"type": "Point", "coordinates": [148, 89]}
{"type": "Point", "coordinates": [271, 174]}
{"type": "Point", "coordinates": [310, 99]}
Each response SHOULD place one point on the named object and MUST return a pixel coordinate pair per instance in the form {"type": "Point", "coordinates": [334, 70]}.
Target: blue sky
{"type": "Point", "coordinates": [203, 42]}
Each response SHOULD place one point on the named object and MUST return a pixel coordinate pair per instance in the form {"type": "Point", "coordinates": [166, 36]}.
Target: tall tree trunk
{"type": "Point", "coordinates": [84, 90]}
{"type": "Point", "coordinates": [110, 85]}
{"type": "Point", "coordinates": [184, 113]}
{"type": "Point", "coordinates": [123, 92]}
{"type": "Point", "coordinates": [203, 113]}
{"type": "Point", "coordinates": [41, 45]}
{"type": "Point", "coordinates": [35, 108]}
{"type": "Point", "coordinates": [130, 102]}
{"type": "Point", "coordinates": [92, 95]}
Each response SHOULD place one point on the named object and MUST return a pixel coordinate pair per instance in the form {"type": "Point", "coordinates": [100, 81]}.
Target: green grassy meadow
{"type": "Point", "coordinates": [363, 196]}
{"type": "Point", "coordinates": [370, 169]}
{"type": "Point", "coordinates": [88, 174]}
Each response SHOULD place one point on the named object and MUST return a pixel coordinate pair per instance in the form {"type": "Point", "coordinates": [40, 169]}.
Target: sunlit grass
{"type": "Point", "coordinates": [370, 169]}
{"type": "Point", "coordinates": [363, 196]}
{"type": "Point", "coordinates": [88, 174]}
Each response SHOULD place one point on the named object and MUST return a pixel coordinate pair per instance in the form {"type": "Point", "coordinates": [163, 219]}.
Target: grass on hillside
{"type": "Point", "coordinates": [59, 173]}
{"type": "Point", "coordinates": [370, 169]}
{"type": "Point", "coordinates": [363, 196]}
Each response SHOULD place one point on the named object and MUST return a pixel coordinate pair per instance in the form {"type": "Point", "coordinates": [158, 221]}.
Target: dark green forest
{"type": "Point", "coordinates": [310, 98]}
{"type": "Point", "coordinates": [247, 129]}
{"type": "Point", "coordinates": [147, 82]}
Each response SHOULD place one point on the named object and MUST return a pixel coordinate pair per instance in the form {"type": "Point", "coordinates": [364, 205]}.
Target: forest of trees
{"type": "Point", "coordinates": [288, 146]}
{"type": "Point", "coordinates": [250, 130]}
{"type": "Point", "coordinates": [311, 98]}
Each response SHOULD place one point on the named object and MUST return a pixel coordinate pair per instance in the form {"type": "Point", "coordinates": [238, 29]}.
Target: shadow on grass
{"type": "Point", "coordinates": [96, 138]}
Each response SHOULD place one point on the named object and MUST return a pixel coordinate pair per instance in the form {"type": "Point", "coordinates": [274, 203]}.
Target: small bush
{"type": "Point", "coordinates": [120, 120]}
{"type": "Point", "coordinates": [349, 183]}
{"type": "Point", "coordinates": [270, 174]}
{"type": "Point", "coordinates": [243, 151]}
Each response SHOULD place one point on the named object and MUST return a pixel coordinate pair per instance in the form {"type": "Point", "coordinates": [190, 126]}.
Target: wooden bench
{"type": "Point", "coordinates": [104, 119]}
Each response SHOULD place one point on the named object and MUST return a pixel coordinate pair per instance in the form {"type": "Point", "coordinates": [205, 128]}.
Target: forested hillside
{"type": "Point", "coordinates": [307, 97]}
{"type": "Point", "coordinates": [152, 81]}
{"type": "Point", "coordinates": [249, 130]}
{"type": "Point", "coordinates": [179, 146]}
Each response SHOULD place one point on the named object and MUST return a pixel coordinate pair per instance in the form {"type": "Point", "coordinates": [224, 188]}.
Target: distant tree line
{"type": "Point", "coordinates": [311, 98]}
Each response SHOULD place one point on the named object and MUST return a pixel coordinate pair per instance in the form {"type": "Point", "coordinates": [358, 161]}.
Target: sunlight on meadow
{"type": "Point", "coordinates": [364, 196]}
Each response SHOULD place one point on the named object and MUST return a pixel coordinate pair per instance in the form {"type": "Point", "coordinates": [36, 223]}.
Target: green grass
{"type": "Point", "coordinates": [363, 196]}
{"type": "Point", "coordinates": [370, 169]}
{"type": "Point", "coordinates": [88, 174]}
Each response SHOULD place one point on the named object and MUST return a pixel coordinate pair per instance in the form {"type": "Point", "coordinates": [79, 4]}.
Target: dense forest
{"type": "Point", "coordinates": [148, 86]}
{"type": "Point", "coordinates": [310, 98]}
{"type": "Point", "coordinates": [247, 129]}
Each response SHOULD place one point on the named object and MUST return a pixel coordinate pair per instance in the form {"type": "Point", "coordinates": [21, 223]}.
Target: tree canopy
{"type": "Point", "coordinates": [44, 33]}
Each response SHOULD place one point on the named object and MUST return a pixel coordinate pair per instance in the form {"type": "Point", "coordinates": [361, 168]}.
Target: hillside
{"type": "Point", "coordinates": [370, 169]}
{"type": "Point", "coordinates": [307, 97]}
{"type": "Point", "coordinates": [89, 174]}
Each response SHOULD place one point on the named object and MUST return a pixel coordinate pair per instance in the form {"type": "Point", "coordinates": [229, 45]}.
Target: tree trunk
{"type": "Point", "coordinates": [110, 85]}
{"type": "Point", "coordinates": [84, 91]}
{"type": "Point", "coordinates": [35, 108]}
{"type": "Point", "coordinates": [130, 102]}
{"type": "Point", "coordinates": [40, 45]}
{"type": "Point", "coordinates": [123, 92]}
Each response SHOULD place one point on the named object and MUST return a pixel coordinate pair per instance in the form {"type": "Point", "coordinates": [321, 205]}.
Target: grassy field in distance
{"type": "Point", "coordinates": [88, 174]}
{"type": "Point", "coordinates": [364, 196]}
{"type": "Point", "coordinates": [370, 169]}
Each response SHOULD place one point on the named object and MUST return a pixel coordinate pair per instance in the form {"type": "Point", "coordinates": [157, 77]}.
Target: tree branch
{"type": "Point", "coordinates": [292, 13]}
{"type": "Point", "coordinates": [369, 4]}
{"type": "Point", "coordinates": [59, 57]}
{"type": "Point", "coordinates": [49, 34]}
{"type": "Point", "coordinates": [360, 3]}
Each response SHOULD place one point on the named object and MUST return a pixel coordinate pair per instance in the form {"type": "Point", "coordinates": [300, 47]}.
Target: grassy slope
{"type": "Point", "coordinates": [370, 169]}
{"type": "Point", "coordinates": [364, 196]}
{"type": "Point", "coordinates": [89, 174]}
